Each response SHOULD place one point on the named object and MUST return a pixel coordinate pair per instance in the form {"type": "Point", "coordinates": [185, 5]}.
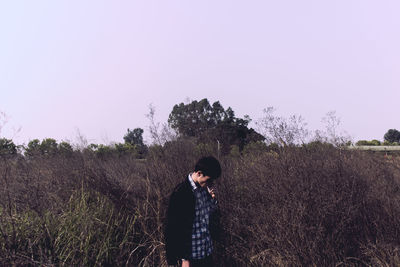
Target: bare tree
{"type": "Point", "coordinates": [281, 130]}
{"type": "Point", "coordinates": [3, 120]}
{"type": "Point", "coordinates": [81, 140]}
{"type": "Point", "coordinates": [159, 133]}
{"type": "Point", "coordinates": [332, 133]}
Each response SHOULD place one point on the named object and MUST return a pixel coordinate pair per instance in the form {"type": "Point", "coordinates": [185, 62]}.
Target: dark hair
{"type": "Point", "coordinates": [209, 166]}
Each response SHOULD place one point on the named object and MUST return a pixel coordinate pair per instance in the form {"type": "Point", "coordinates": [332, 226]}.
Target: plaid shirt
{"type": "Point", "coordinates": [201, 238]}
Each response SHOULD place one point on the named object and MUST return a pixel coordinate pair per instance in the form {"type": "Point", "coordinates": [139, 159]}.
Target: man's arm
{"type": "Point", "coordinates": [171, 230]}
{"type": "Point", "coordinates": [177, 247]}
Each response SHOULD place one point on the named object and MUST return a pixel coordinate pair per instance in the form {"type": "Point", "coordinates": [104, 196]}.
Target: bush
{"type": "Point", "coordinates": [387, 143]}
{"type": "Point", "coordinates": [89, 232]}
{"type": "Point", "coordinates": [283, 206]}
{"type": "Point", "coordinates": [307, 209]}
{"type": "Point", "coordinates": [369, 143]}
{"type": "Point", "coordinates": [375, 142]}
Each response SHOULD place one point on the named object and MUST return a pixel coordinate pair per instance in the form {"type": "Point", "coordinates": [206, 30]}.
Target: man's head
{"type": "Point", "coordinates": [206, 170]}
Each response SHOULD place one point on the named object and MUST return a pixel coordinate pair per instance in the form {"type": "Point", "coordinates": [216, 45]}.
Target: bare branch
{"type": "Point", "coordinates": [160, 133]}
{"type": "Point", "coordinates": [332, 133]}
{"type": "Point", "coordinates": [281, 130]}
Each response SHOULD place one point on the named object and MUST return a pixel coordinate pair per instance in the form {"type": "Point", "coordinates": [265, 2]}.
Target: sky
{"type": "Point", "coordinates": [95, 66]}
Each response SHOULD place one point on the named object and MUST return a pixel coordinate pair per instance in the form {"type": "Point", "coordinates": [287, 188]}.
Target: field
{"type": "Point", "coordinates": [314, 205]}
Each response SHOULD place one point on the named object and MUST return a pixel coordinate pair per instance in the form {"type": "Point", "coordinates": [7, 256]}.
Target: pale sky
{"type": "Point", "coordinates": [97, 65]}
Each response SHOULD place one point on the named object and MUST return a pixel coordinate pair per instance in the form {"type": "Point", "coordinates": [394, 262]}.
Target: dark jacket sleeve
{"type": "Point", "coordinates": [178, 229]}
{"type": "Point", "coordinates": [171, 228]}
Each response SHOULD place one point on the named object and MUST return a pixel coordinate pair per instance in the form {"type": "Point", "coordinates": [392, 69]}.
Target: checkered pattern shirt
{"type": "Point", "coordinates": [201, 238]}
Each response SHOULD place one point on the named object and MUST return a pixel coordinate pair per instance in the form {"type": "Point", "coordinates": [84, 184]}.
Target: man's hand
{"type": "Point", "coordinates": [185, 263]}
{"type": "Point", "coordinates": [212, 192]}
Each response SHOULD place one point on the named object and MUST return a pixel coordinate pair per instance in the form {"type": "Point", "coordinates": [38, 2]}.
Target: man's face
{"type": "Point", "coordinates": [200, 178]}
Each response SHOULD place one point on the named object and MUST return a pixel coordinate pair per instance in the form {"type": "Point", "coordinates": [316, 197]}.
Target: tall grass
{"type": "Point", "coordinates": [314, 205]}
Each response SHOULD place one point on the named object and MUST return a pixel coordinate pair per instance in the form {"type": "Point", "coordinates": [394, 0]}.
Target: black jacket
{"type": "Point", "coordinates": [180, 216]}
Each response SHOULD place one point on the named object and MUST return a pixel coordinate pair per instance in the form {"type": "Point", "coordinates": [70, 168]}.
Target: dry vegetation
{"type": "Point", "coordinates": [314, 205]}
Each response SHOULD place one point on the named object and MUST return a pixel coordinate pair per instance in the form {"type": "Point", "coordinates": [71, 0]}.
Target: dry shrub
{"type": "Point", "coordinates": [383, 254]}
{"type": "Point", "coordinates": [310, 206]}
{"type": "Point", "coordinates": [315, 205]}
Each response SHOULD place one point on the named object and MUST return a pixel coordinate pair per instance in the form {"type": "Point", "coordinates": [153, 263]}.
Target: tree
{"type": "Point", "coordinates": [7, 147]}
{"type": "Point", "coordinates": [3, 120]}
{"type": "Point", "coordinates": [65, 148]}
{"type": "Point", "coordinates": [209, 122]}
{"type": "Point", "coordinates": [281, 130]}
{"type": "Point", "coordinates": [33, 148]}
{"type": "Point", "coordinates": [392, 135]}
{"type": "Point", "coordinates": [134, 141]}
{"type": "Point", "coordinates": [196, 117]}
{"type": "Point", "coordinates": [160, 133]}
{"type": "Point", "coordinates": [47, 147]}
{"type": "Point", "coordinates": [134, 137]}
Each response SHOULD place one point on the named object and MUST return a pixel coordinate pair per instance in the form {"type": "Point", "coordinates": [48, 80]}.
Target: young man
{"type": "Point", "coordinates": [193, 217]}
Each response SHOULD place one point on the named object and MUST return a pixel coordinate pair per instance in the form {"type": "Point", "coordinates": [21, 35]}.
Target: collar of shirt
{"type": "Point", "coordinates": [192, 183]}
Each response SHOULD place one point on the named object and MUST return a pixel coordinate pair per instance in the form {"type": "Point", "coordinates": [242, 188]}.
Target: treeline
{"type": "Point", "coordinates": [207, 123]}
{"type": "Point", "coordinates": [391, 138]}
{"type": "Point", "coordinates": [198, 120]}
